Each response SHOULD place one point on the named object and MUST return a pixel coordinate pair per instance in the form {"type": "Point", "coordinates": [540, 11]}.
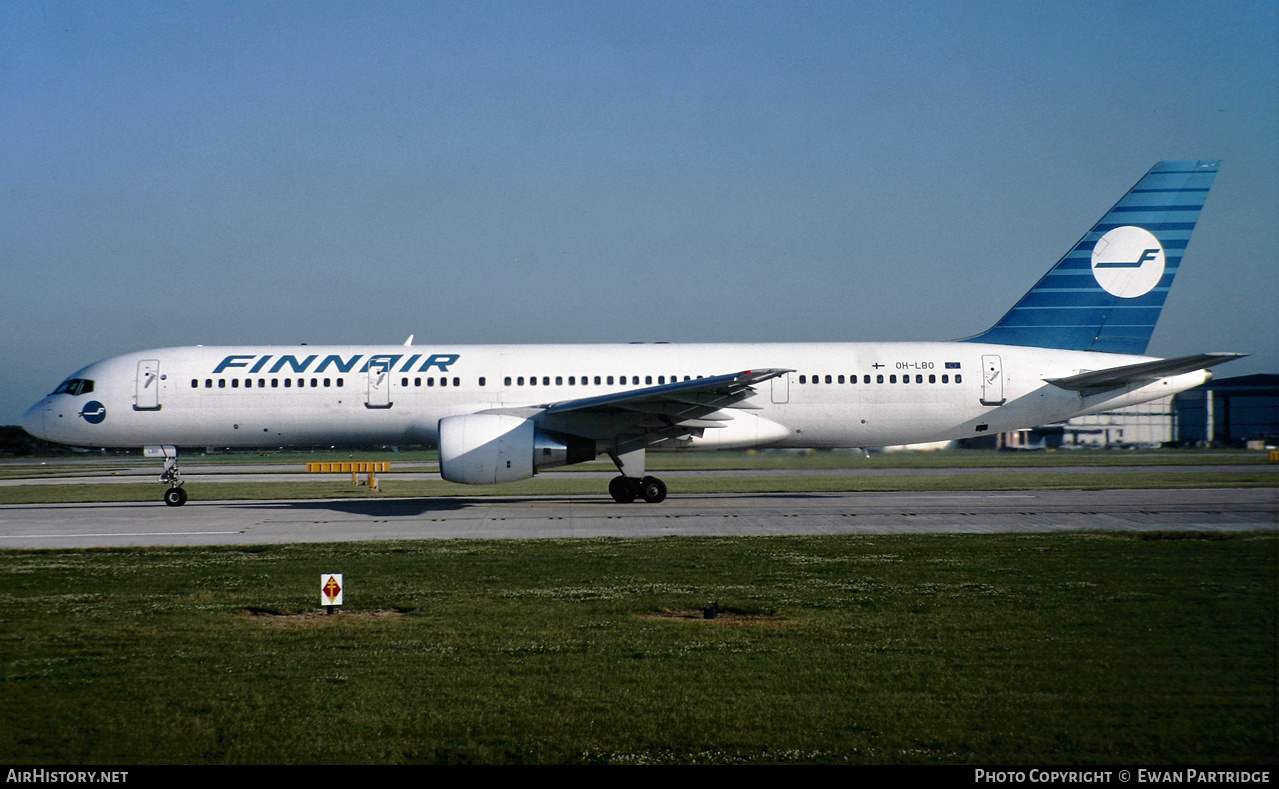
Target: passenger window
{"type": "Point", "coordinates": [341, 381]}
{"type": "Point", "coordinates": [235, 383]}
{"type": "Point", "coordinates": [506, 381]}
{"type": "Point", "coordinates": [959, 379]}
{"type": "Point", "coordinates": [444, 382]}
{"type": "Point", "coordinates": [195, 383]}
{"type": "Point", "coordinates": [519, 380]}
{"type": "Point", "coordinates": [610, 380]}
{"type": "Point", "coordinates": [932, 379]}
{"type": "Point", "coordinates": [457, 381]}
{"type": "Point", "coordinates": [481, 380]}
{"type": "Point", "coordinates": [404, 382]}
{"type": "Point", "coordinates": [208, 383]}
{"type": "Point", "coordinates": [803, 379]}
{"type": "Point", "coordinates": [866, 380]}
{"type": "Point", "coordinates": [597, 380]}
{"type": "Point", "coordinates": [892, 379]}
{"type": "Point", "coordinates": [572, 380]}
{"type": "Point", "coordinates": [841, 379]}
{"type": "Point", "coordinates": [945, 379]}
{"type": "Point", "coordinates": [327, 381]}
{"type": "Point", "coordinates": [288, 383]}
{"type": "Point", "coordinates": [275, 383]}
{"type": "Point", "coordinates": [879, 379]}
{"type": "Point", "coordinates": [546, 380]}
{"type": "Point", "coordinates": [661, 379]}
{"type": "Point", "coordinates": [315, 382]}
{"type": "Point", "coordinates": [532, 380]}
{"type": "Point", "coordinates": [648, 379]}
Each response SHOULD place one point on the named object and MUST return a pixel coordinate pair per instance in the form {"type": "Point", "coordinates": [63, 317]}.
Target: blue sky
{"type": "Point", "coordinates": [274, 172]}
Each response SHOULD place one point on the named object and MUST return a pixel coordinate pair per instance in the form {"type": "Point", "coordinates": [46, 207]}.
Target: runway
{"type": "Point", "coordinates": [570, 517]}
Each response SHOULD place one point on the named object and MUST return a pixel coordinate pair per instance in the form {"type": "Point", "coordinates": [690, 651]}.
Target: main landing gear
{"type": "Point", "coordinates": [624, 490]}
{"type": "Point", "coordinates": [628, 454]}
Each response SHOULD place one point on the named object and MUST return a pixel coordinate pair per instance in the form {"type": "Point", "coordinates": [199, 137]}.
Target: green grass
{"type": "Point", "coordinates": [1005, 649]}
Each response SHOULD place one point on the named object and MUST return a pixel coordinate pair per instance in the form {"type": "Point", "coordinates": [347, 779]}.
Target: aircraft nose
{"type": "Point", "coordinates": [33, 420]}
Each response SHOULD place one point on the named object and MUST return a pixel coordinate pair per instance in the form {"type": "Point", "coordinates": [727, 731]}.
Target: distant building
{"type": "Point", "coordinates": [1149, 424]}
{"type": "Point", "coordinates": [1231, 411]}
{"type": "Point", "coordinates": [1241, 411]}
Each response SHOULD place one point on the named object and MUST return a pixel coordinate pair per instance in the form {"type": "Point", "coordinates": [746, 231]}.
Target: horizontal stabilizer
{"type": "Point", "coordinates": [1145, 372]}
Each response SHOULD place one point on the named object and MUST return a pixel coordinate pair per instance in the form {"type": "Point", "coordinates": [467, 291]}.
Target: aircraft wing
{"type": "Point", "coordinates": [1144, 372]}
{"type": "Point", "coordinates": [675, 409]}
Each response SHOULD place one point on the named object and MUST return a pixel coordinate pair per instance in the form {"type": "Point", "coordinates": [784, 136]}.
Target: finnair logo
{"type": "Point", "coordinates": [1128, 261]}
{"type": "Point", "coordinates": [1149, 254]}
{"type": "Point", "coordinates": [94, 412]}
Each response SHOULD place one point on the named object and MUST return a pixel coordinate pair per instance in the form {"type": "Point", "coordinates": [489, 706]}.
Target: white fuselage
{"type": "Point", "coordinates": [838, 395]}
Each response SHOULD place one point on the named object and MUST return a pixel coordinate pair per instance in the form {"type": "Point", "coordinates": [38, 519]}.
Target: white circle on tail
{"type": "Point", "coordinates": [1128, 261]}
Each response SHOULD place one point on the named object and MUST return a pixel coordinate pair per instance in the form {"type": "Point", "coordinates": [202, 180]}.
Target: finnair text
{"type": "Point", "coordinates": [289, 363]}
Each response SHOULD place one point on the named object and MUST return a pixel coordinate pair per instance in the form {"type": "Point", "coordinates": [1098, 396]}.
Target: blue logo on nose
{"type": "Point", "coordinates": [94, 412]}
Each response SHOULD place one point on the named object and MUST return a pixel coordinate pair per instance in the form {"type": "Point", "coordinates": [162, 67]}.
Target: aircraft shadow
{"type": "Point", "coordinates": [393, 508]}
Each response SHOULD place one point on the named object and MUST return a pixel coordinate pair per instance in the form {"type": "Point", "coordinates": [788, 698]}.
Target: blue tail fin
{"type": "Point", "coordinates": [1107, 292]}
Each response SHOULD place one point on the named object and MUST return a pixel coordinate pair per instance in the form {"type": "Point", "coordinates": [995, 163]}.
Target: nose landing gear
{"type": "Point", "coordinates": [175, 496]}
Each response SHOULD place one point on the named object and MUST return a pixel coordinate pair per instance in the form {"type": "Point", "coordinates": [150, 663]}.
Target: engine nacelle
{"type": "Point", "coordinates": [484, 449]}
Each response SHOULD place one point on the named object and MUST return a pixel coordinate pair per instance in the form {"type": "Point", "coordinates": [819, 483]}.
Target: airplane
{"type": "Point", "coordinates": [1074, 344]}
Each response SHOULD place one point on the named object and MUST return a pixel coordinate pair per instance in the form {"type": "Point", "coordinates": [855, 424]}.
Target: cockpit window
{"type": "Point", "coordinates": [74, 386]}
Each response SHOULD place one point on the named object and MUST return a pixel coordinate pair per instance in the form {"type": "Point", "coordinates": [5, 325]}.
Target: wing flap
{"type": "Point", "coordinates": [673, 410]}
{"type": "Point", "coordinates": [711, 393]}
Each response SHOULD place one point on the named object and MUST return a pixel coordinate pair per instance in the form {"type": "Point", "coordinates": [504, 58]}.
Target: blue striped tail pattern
{"type": "Point", "coordinates": [1107, 292]}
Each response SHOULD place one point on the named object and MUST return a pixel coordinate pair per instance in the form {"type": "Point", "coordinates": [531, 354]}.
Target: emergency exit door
{"type": "Point", "coordinates": [781, 388]}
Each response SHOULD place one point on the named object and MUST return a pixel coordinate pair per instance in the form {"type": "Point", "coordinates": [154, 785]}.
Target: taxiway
{"type": "Point", "coordinates": [336, 520]}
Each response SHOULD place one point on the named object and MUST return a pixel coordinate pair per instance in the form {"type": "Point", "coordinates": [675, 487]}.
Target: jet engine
{"type": "Point", "coordinates": [484, 449]}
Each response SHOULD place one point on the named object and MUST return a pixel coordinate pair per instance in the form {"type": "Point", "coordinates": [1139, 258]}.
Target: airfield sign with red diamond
{"type": "Point", "coordinates": [331, 589]}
